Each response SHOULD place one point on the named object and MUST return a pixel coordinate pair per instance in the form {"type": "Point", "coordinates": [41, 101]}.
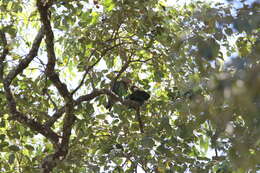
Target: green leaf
{"type": "Point", "coordinates": [29, 147]}
{"type": "Point", "coordinates": [11, 30]}
{"type": "Point", "coordinates": [109, 5]}
{"type": "Point", "coordinates": [95, 17]}
{"type": "Point", "coordinates": [3, 144]}
{"type": "Point", "coordinates": [147, 142]}
{"type": "Point", "coordinates": [165, 123]}
{"type": "Point", "coordinates": [14, 148]}
{"type": "Point", "coordinates": [101, 116]}
{"type": "Point", "coordinates": [2, 137]}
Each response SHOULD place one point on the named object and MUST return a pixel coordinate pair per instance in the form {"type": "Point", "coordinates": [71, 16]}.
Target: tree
{"type": "Point", "coordinates": [199, 61]}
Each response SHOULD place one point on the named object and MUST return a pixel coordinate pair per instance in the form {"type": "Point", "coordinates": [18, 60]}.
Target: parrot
{"type": "Point", "coordinates": [120, 88]}
{"type": "Point", "coordinates": [138, 95]}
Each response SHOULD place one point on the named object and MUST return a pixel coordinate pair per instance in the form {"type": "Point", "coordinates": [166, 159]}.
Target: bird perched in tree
{"type": "Point", "coordinates": [138, 95]}
{"type": "Point", "coordinates": [120, 88]}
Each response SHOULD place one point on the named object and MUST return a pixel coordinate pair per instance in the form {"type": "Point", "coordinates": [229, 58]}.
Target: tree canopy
{"type": "Point", "coordinates": [199, 62]}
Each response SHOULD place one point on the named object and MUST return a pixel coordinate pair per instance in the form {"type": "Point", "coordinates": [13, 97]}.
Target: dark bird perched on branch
{"type": "Point", "coordinates": [120, 88]}
{"type": "Point", "coordinates": [138, 95]}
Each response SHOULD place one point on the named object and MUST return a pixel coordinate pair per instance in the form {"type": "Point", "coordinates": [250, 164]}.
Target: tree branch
{"type": "Point", "coordinates": [50, 69]}
{"type": "Point", "coordinates": [50, 162]}
{"type": "Point", "coordinates": [15, 114]}
{"type": "Point", "coordinates": [92, 66]}
{"type": "Point", "coordinates": [24, 63]}
{"type": "Point", "coordinates": [140, 60]}
{"type": "Point", "coordinates": [96, 93]}
{"type": "Point", "coordinates": [20, 117]}
{"type": "Point", "coordinates": [3, 55]}
{"type": "Point", "coordinates": [89, 97]}
{"type": "Point", "coordinates": [61, 152]}
{"type": "Point", "coordinates": [124, 67]}
{"type": "Point", "coordinates": [55, 117]}
{"type": "Point", "coordinates": [69, 120]}
{"type": "Point", "coordinates": [85, 74]}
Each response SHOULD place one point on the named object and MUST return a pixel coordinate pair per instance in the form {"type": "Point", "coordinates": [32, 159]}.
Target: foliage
{"type": "Point", "coordinates": [199, 61]}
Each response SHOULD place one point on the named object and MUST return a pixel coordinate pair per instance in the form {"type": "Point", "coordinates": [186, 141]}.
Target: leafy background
{"type": "Point", "coordinates": [198, 60]}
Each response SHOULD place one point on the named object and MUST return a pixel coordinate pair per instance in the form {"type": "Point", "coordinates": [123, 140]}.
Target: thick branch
{"type": "Point", "coordinates": [50, 70]}
{"type": "Point", "coordinates": [4, 53]}
{"type": "Point", "coordinates": [89, 97]}
{"type": "Point", "coordinates": [51, 160]}
{"type": "Point", "coordinates": [15, 114]}
{"type": "Point", "coordinates": [96, 93]}
{"type": "Point", "coordinates": [69, 120]}
{"type": "Point", "coordinates": [20, 117]}
{"type": "Point", "coordinates": [24, 63]}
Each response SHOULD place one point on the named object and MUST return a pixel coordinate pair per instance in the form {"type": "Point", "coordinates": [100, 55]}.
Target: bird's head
{"type": "Point", "coordinates": [134, 88]}
{"type": "Point", "coordinates": [126, 80]}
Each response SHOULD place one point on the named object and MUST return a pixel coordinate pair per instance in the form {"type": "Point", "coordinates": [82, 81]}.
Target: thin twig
{"type": "Point", "coordinates": [140, 60]}
{"type": "Point", "coordinates": [92, 66]}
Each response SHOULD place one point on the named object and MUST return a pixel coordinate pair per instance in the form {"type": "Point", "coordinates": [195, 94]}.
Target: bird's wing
{"type": "Point", "coordinates": [120, 88]}
{"type": "Point", "coordinates": [142, 95]}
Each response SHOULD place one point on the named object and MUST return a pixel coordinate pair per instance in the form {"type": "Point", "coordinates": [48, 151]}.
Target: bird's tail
{"type": "Point", "coordinates": [109, 104]}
